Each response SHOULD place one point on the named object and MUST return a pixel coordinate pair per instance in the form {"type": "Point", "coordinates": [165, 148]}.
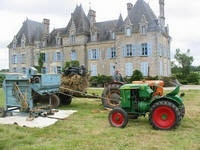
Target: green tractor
{"type": "Point", "coordinates": [165, 112]}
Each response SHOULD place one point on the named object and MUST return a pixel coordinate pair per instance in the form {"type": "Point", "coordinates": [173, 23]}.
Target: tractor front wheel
{"type": "Point", "coordinates": [118, 118]}
{"type": "Point", "coordinates": [164, 115]}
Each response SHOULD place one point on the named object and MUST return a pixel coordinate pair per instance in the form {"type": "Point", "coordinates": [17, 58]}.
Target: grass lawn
{"type": "Point", "coordinates": [89, 129]}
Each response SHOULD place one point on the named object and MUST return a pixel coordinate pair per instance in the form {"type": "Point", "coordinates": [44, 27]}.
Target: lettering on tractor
{"type": "Point", "coordinates": [165, 111]}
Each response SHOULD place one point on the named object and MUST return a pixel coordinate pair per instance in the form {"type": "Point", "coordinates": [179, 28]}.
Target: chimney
{"type": "Point", "coordinates": [92, 17]}
{"type": "Point", "coordinates": [162, 12]}
{"type": "Point", "coordinates": [46, 23]}
{"type": "Point", "coordinates": [129, 7]}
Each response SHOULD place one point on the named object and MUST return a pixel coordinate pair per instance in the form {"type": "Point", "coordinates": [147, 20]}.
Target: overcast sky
{"type": "Point", "coordinates": [183, 17]}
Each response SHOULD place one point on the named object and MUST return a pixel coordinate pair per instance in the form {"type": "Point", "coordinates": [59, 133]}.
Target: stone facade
{"type": "Point", "coordinates": [140, 41]}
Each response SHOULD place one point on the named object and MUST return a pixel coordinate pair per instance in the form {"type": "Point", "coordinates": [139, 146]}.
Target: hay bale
{"type": "Point", "coordinates": [75, 83]}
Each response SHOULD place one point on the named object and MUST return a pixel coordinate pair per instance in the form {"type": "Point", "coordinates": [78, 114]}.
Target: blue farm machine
{"type": "Point", "coordinates": [34, 93]}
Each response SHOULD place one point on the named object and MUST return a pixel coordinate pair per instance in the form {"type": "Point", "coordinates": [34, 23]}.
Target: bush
{"type": "Point", "coordinates": [137, 75]}
{"type": "Point", "coordinates": [100, 80]}
{"type": "Point", "coordinates": [2, 77]}
{"type": "Point", "coordinates": [193, 78]}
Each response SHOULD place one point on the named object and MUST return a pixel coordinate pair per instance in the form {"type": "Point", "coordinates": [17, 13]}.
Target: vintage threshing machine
{"type": "Point", "coordinates": [33, 92]}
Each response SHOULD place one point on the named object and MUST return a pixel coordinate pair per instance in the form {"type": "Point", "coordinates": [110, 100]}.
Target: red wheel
{"type": "Point", "coordinates": [164, 115]}
{"type": "Point", "coordinates": [118, 118]}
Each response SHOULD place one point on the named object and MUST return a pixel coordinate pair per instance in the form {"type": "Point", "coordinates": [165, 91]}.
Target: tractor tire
{"type": "Point", "coordinates": [65, 99]}
{"type": "Point", "coordinates": [111, 95]}
{"type": "Point", "coordinates": [182, 110]}
{"type": "Point", "coordinates": [164, 115]}
{"type": "Point", "coordinates": [55, 101]}
{"type": "Point", "coordinates": [118, 118]}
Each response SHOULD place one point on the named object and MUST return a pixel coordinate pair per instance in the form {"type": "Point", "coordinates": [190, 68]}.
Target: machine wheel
{"type": "Point", "coordinates": [2, 112]}
{"type": "Point", "coordinates": [118, 118]}
{"type": "Point", "coordinates": [111, 95]}
{"type": "Point", "coordinates": [55, 100]}
{"type": "Point", "coordinates": [164, 115]}
{"type": "Point", "coordinates": [65, 99]}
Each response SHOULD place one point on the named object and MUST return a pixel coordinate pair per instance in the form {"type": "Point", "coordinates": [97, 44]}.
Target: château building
{"type": "Point", "coordinates": [140, 41]}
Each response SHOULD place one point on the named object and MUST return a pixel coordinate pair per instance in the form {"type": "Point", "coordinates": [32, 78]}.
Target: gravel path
{"type": "Point", "coordinates": [185, 87]}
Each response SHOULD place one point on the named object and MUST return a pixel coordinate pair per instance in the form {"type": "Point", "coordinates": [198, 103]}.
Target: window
{"type": "Point", "coordinates": [73, 39]}
{"type": "Point", "coordinates": [44, 70]}
{"type": "Point", "coordinates": [14, 42]}
{"type": "Point", "coordinates": [14, 70]}
{"type": "Point", "coordinates": [59, 70]}
{"type": "Point", "coordinates": [113, 35]}
{"type": "Point", "coordinates": [93, 70]}
{"type": "Point", "coordinates": [112, 69]}
{"type": "Point", "coordinates": [58, 56]}
{"type": "Point", "coordinates": [129, 50]}
{"type": "Point", "coordinates": [129, 69]}
{"type": "Point", "coordinates": [24, 70]}
{"type": "Point", "coordinates": [23, 59]}
{"type": "Point", "coordinates": [113, 52]}
{"type": "Point", "coordinates": [94, 54]}
{"type": "Point", "coordinates": [93, 36]}
{"type": "Point", "coordinates": [143, 29]}
{"type": "Point", "coordinates": [73, 55]}
{"type": "Point", "coordinates": [128, 32]}
{"type": "Point", "coordinates": [14, 59]}
{"type": "Point", "coordinates": [23, 40]}
{"type": "Point", "coordinates": [144, 49]}
{"type": "Point", "coordinates": [145, 68]}
{"type": "Point", "coordinates": [58, 41]}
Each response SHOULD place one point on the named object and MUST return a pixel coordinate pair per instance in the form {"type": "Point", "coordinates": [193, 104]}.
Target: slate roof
{"type": "Point", "coordinates": [142, 8]}
{"type": "Point", "coordinates": [52, 36]}
{"type": "Point", "coordinates": [32, 30]}
{"type": "Point", "coordinates": [105, 29]}
{"type": "Point", "coordinates": [80, 20]}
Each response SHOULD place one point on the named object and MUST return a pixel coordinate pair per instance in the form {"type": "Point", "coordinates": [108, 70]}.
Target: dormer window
{"type": "Point", "coordinates": [113, 35]}
{"type": "Point", "coordinates": [93, 36]}
{"type": "Point", "coordinates": [143, 29]}
{"type": "Point", "coordinates": [23, 41]}
{"type": "Point", "coordinates": [73, 39]}
{"type": "Point", "coordinates": [58, 41]}
{"type": "Point", "coordinates": [143, 25]}
{"type": "Point", "coordinates": [128, 31]}
{"type": "Point", "coordinates": [14, 45]}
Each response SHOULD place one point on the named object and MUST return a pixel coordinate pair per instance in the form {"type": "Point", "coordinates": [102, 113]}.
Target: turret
{"type": "Point", "coordinates": [129, 7]}
{"type": "Point", "coordinates": [162, 13]}
{"type": "Point", "coordinates": [92, 17]}
{"type": "Point", "coordinates": [46, 23]}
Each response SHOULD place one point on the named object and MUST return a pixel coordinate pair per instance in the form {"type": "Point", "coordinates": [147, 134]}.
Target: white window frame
{"type": "Point", "coordinates": [94, 70]}
{"type": "Point", "coordinates": [129, 69]}
{"type": "Point", "coordinates": [128, 31]}
{"type": "Point", "coordinates": [145, 68]}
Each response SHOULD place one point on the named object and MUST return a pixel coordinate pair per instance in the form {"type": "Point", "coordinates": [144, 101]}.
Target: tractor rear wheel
{"type": "Point", "coordinates": [182, 110]}
{"type": "Point", "coordinates": [55, 100]}
{"type": "Point", "coordinates": [118, 118]}
{"type": "Point", "coordinates": [164, 115]}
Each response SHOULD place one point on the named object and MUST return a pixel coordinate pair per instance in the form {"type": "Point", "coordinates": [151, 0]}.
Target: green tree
{"type": "Point", "coordinates": [137, 75]}
{"type": "Point", "coordinates": [73, 63]}
{"type": "Point", "coordinates": [40, 62]}
{"type": "Point", "coordinates": [185, 62]}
